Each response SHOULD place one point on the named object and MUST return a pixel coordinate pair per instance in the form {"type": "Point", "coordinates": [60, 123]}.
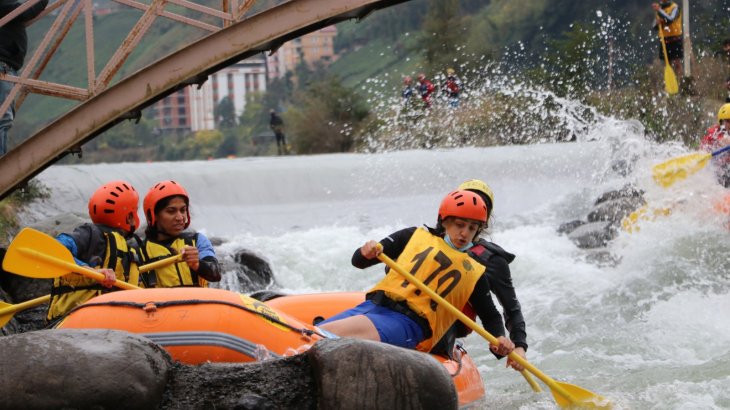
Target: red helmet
{"type": "Point", "coordinates": [112, 204]}
{"type": "Point", "coordinates": [159, 192]}
{"type": "Point", "coordinates": [463, 204]}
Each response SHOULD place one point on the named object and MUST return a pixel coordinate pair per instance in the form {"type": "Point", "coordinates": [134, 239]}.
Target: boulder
{"type": "Point", "coordinates": [569, 227]}
{"type": "Point", "coordinates": [593, 235]}
{"type": "Point", "coordinates": [15, 289]}
{"type": "Point", "coordinates": [627, 191]}
{"type": "Point", "coordinates": [615, 210]}
{"type": "Point", "coordinates": [81, 369]}
{"type": "Point", "coordinates": [285, 383]}
{"type": "Point", "coordinates": [603, 222]}
{"type": "Point", "coordinates": [362, 374]}
{"type": "Point", "coordinates": [252, 271]}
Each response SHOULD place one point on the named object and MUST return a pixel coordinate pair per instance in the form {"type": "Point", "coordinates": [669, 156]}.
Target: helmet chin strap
{"type": "Point", "coordinates": [132, 226]}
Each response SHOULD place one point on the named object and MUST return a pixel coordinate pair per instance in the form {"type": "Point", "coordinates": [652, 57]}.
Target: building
{"type": "Point", "coordinates": [314, 47]}
{"type": "Point", "coordinates": [192, 109]}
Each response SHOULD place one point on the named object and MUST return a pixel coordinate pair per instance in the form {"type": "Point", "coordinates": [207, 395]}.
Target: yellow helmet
{"type": "Point", "coordinates": [450, 71]}
{"type": "Point", "coordinates": [724, 113]}
{"type": "Point", "coordinates": [479, 186]}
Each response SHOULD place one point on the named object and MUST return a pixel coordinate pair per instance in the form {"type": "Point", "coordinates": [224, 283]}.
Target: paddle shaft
{"type": "Point", "coordinates": [466, 320]}
{"type": "Point", "coordinates": [7, 311]}
{"type": "Point", "coordinates": [160, 263]}
{"type": "Point", "coordinates": [664, 44]}
{"type": "Point", "coordinates": [72, 267]}
{"type": "Point", "coordinates": [25, 305]}
{"type": "Point", "coordinates": [721, 151]}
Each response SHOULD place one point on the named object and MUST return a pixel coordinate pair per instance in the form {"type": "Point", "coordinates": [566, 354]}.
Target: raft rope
{"type": "Point", "coordinates": [143, 306]}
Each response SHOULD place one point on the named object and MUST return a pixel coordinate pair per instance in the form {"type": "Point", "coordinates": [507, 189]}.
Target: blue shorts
{"type": "Point", "coordinates": [393, 328]}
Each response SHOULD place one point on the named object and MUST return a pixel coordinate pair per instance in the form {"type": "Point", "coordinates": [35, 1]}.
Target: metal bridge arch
{"type": "Point", "coordinates": [103, 107]}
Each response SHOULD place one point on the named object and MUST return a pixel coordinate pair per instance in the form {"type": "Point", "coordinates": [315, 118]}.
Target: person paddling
{"type": "Point", "coordinates": [718, 136]}
{"type": "Point", "coordinates": [101, 245]}
{"type": "Point", "coordinates": [167, 211]}
{"type": "Point", "coordinates": [395, 311]}
{"type": "Point", "coordinates": [497, 261]}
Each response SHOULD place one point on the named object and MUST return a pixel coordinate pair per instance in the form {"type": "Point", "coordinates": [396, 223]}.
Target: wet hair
{"type": "Point", "coordinates": [726, 42]}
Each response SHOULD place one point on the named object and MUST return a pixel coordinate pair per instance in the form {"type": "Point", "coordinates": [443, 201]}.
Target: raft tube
{"type": "Point", "coordinates": [310, 307]}
{"type": "Point", "coordinates": [196, 325]}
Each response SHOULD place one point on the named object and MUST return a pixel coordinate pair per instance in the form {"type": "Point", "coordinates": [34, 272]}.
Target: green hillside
{"type": "Point", "coordinates": [560, 45]}
{"type": "Point", "coordinates": [163, 38]}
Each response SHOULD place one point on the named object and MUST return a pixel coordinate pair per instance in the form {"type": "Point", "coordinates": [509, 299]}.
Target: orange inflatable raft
{"type": "Point", "coordinates": [306, 308]}
{"type": "Point", "coordinates": [196, 325]}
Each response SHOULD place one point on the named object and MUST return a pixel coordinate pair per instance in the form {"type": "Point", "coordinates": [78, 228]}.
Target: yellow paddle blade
{"type": "Point", "coordinates": [17, 259]}
{"type": "Point", "coordinates": [669, 172]}
{"type": "Point", "coordinates": [5, 313]}
{"type": "Point", "coordinates": [581, 398]}
{"type": "Point", "coordinates": [37, 255]}
{"type": "Point", "coordinates": [630, 223]}
{"type": "Point", "coordinates": [670, 80]}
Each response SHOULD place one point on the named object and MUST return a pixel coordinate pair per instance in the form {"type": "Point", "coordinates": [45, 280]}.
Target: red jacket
{"type": "Point", "coordinates": [711, 140]}
{"type": "Point", "coordinates": [426, 88]}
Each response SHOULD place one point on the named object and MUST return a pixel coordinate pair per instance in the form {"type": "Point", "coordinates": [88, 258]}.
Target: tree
{"type": "Point", "coordinates": [325, 117]}
{"type": "Point", "coordinates": [442, 34]}
{"type": "Point", "coordinates": [225, 113]}
{"type": "Point", "coordinates": [573, 63]}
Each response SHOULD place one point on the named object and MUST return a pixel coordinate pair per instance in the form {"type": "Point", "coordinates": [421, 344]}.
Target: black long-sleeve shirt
{"type": "Point", "coordinates": [497, 261]}
{"type": "Point", "coordinates": [13, 38]}
{"type": "Point", "coordinates": [480, 298]}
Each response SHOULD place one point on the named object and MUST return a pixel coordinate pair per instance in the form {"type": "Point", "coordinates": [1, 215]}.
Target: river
{"type": "Point", "coordinates": [648, 332]}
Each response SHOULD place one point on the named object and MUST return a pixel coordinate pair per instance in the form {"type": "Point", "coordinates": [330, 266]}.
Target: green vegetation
{"type": "Point", "coordinates": [521, 62]}
{"type": "Point", "coordinates": [10, 206]}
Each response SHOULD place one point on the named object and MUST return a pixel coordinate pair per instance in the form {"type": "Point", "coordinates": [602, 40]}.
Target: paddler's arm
{"type": "Point", "coordinates": [481, 301]}
{"type": "Point", "coordinates": [70, 244]}
{"type": "Point", "coordinates": [209, 268]}
{"type": "Point", "coordinates": [393, 245]}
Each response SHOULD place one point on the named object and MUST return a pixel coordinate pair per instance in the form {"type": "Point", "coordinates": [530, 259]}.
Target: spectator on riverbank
{"type": "Point", "coordinates": [277, 125]}
{"type": "Point", "coordinates": [13, 47]}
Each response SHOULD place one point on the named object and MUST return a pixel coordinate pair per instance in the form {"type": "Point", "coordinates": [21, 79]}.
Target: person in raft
{"type": "Point", "coordinates": [395, 311]}
{"type": "Point", "coordinates": [102, 245]}
{"type": "Point", "coordinates": [167, 210]}
{"type": "Point", "coordinates": [497, 261]}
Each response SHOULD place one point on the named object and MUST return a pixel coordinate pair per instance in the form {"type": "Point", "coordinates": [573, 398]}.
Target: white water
{"type": "Point", "coordinates": [649, 333]}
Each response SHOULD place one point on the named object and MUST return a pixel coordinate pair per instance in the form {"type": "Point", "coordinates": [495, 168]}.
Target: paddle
{"type": "Point", "coordinates": [670, 79]}
{"type": "Point", "coordinates": [630, 222]}
{"type": "Point", "coordinates": [51, 266]}
{"type": "Point", "coordinates": [7, 310]}
{"type": "Point", "coordinates": [675, 169]}
{"type": "Point", "coordinates": [565, 394]}
{"type": "Point", "coordinates": [23, 258]}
